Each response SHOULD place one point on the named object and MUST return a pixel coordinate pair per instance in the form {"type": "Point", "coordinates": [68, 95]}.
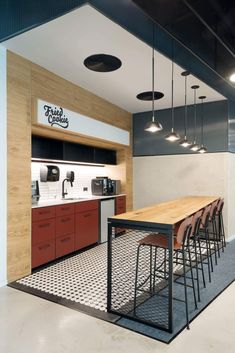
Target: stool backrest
{"type": "Point", "coordinates": [184, 230]}
{"type": "Point", "coordinates": [220, 205]}
{"type": "Point", "coordinates": [196, 222]}
{"type": "Point", "coordinates": [213, 208]}
{"type": "Point", "coordinates": [205, 215]}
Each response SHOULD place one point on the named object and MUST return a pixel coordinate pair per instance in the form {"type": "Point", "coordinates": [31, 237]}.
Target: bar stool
{"type": "Point", "coordinates": [204, 234]}
{"type": "Point", "coordinates": [197, 250]}
{"type": "Point", "coordinates": [213, 235]}
{"type": "Point", "coordinates": [182, 246]}
{"type": "Point", "coordinates": [220, 222]}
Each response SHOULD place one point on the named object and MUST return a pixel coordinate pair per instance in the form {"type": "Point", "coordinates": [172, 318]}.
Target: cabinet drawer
{"type": "Point", "coordinates": [41, 213]}
{"type": "Point", "coordinates": [87, 205]}
{"type": "Point", "coordinates": [120, 201]}
{"type": "Point", "coordinates": [64, 210]}
{"type": "Point", "coordinates": [64, 245]}
{"type": "Point", "coordinates": [86, 229]}
{"type": "Point", "coordinates": [64, 225]}
{"type": "Point", "coordinates": [43, 253]}
{"type": "Point", "coordinates": [43, 231]}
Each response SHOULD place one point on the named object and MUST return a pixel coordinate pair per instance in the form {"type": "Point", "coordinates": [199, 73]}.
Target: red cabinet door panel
{"type": "Point", "coordinates": [41, 213]}
{"type": "Point", "coordinates": [86, 229]}
{"type": "Point", "coordinates": [43, 231]}
{"type": "Point", "coordinates": [64, 210]}
{"type": "Point", "coordinates": [120, 209]}
{"type": "Point", "coordinates": [43, 253]}
{"type": "Point", "coordinates": [64, 245]}
{"type": "Point", "coordinates": [64, 225]}
{"type": "Point", "coordinates": [87, 205]}
{"type": "Point", "coordinates": [120, 201]}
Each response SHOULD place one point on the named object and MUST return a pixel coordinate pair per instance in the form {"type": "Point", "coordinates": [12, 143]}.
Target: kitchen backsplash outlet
{"type": "Point", "coordinates": [81, 185]}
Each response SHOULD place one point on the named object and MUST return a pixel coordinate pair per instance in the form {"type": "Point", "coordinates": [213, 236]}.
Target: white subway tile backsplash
{"type": "Point", "coordinates": [83, 176]}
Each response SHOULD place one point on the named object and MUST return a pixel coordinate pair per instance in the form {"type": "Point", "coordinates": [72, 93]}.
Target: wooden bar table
{"type": "Point", "coordinates": [159, 218]}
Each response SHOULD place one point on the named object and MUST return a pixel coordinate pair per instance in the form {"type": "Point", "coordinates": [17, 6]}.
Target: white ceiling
{"type": "Point", "coordinates": [62, 45]}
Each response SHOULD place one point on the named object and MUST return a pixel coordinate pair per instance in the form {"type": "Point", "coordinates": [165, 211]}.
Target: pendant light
{"type": "Point", "coordinates": [185, 142]}
{"type": "Point", "coordinates": [202, 149]}
{"type": "Point", "coordinates": [153, 125]}
{"type": "Point", "coordinates": [172, 136]}
{"type": "Point", "coordinates": [195, 146]}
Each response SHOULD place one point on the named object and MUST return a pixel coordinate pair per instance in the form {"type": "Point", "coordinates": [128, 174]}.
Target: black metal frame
{"type": "Point", "coordinates": [144, 226]}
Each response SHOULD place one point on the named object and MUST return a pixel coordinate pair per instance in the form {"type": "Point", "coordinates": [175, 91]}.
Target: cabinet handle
{"type": "Point", "coordinates": [64, 240]}
{"type": "Point", "coordinates": [44, 212]}
{"type": "Point", "coordinates": [87, 215]}
{"type": "Point", "coordinates": [65, 208]}
{"type": "Point", "coordinates": [42, 247]}
{"type": "Point", "coordinates": [44, 225]}
{"type": "Point", "coordinates": [64, 220]}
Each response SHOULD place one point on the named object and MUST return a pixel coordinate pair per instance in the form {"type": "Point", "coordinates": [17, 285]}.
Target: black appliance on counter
{"type": "Point", "coordinates": [103, 186]}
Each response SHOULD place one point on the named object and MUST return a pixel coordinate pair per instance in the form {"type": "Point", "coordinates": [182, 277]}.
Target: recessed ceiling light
{"type": "Point", "coordinates": [232, 77]}
{"type": "Point", "coordinates": [102, 63]}
{"type": "Point", "coordinates": [148, 95]}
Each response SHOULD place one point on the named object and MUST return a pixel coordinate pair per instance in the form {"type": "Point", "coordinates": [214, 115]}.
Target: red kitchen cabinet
{"type": "Point", "coordinates": [64, 225]}
{"type": "Point", "coordinates": [120, 205]}
{"type": "Point", "coordinates": [86, 224]}
{"type": "Point", "coordinates": [64, 245]}
{"type": "Point", "coordinates": [43, 235]}
{"type": "Point", "coordinates": [43, 253]}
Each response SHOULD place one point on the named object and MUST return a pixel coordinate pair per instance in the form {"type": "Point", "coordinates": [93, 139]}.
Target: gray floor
{"type": "Point", "coordinates": [30, 324]}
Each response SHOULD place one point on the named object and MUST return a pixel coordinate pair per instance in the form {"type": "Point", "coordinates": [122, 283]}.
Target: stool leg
{"type": "Point", "coordinates": [151, 268]}
{"type": "Point", "coordinates": [214, 240]}
{"type": "Point", "coordinates": [185, 291]}
{"type": "Point", "coordinates": [197, 272]}
{"type": "Point", "coordinates": [208, 259]}
{"type": "Point", "coordinates": [193, 284]}
{"type": "Point", "coordinates": [201, 261]}
{"type": "Point", "coordinates": [209, 248]}
{"type": "Point", "coordinates": [136, 276]}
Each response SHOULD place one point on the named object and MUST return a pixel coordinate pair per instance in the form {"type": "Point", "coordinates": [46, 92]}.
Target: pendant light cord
{"type": "Point", "coordinates": [202, 112]}
{"type": "Point", "coordinates": [153, 78]}
{"type": "Point", "coordinates": [195, 115]}
{"type": "Point", "coordinates": [185, 109]}
{"type": "Point", "coordinates": [172, 96]}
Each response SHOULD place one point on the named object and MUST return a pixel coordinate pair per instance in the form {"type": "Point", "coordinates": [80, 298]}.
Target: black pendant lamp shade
{"type": "Point", "coordinates": [172, 136]}
{"type": "Point", "coordinates": [153, 125]}
{"type": "Point", "coordinates": [202, 149]}
{"type": "Point", "coordinates": [102, 63]}
{"type": "Point", "coordinates": [195, 146]}
{"type": "Point", "coordinates": [185, 142]}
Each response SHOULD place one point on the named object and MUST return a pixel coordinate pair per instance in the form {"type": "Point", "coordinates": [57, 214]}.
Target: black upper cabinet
{"type": "Point", "coordinates": [46, 148]}
{"type": "Point", "coordinates": [104, 156]}
{"type": "Point", "coordinates": [78, 153]}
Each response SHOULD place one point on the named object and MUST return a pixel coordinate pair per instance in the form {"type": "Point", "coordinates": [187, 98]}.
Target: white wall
{"type": "Point", "coordinates": [3, 168]}
{"type": "Point", "coordinates": [161, 178]}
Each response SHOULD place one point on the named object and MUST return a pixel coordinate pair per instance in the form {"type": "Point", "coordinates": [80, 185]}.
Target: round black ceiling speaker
{"type": "Point", "coordinates": [148, 95]}
{"type": "Point", "coordinates": [102, 63]}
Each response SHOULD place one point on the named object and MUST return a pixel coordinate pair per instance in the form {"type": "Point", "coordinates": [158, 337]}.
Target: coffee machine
{"type": "Point", "coordinates": [104, 186]}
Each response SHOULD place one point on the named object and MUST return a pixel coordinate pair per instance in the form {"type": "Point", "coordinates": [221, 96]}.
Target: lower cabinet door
{"type": "Point", "coordinates": [86, 229]}
{"type": "Point", "coordinates": [64, 245]}
{"type": "Point", "coordinates": [43, 253]}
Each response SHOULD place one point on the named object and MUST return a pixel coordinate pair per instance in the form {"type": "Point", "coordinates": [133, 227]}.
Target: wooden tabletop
{"type": "Point", "coordinates": [170, 212]}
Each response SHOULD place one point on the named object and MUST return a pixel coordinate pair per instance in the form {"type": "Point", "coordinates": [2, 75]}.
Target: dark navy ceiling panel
{"type": "Point", "coordinates": [18, 16]}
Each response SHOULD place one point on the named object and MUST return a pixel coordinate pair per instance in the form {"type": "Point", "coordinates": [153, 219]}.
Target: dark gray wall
{"type": "Point", "coordinates": [231, 124]}
{"type": "Point", "coordinates": [215, 130]}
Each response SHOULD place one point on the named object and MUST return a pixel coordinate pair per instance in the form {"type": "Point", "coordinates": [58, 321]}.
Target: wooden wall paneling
{"type": "Point", "coordinates": [28, 82]}
{"type": "Point", "coordinates": [19, 167]}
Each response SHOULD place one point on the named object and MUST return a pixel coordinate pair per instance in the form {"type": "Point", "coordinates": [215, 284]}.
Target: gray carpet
{"type": "Point", "coordinates": [222, 277]}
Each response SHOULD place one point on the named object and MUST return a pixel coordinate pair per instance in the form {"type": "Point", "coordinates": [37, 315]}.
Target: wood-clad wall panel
{"type": "Point", "coordinates": [19, 167]}
{"type": "Point", "coordinates": [28, 82]}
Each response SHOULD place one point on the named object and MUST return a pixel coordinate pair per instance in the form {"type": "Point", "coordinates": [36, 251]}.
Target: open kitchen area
{"type": "Point", "coordinates": [119, 155]}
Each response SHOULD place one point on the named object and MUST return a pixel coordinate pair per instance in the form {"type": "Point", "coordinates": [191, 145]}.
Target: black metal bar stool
{"type": "Point", "coordinates": [220, 223]}
{"type": "Point", "coordinates": [182, 246]}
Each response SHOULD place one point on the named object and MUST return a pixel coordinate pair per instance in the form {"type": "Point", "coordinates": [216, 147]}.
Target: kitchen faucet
{"type": "Point", "coordinates": [69, 178]}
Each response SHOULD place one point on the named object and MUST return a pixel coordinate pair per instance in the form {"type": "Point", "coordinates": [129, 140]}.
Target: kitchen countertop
{"type": "Point", "coordinates": [57, 201]}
